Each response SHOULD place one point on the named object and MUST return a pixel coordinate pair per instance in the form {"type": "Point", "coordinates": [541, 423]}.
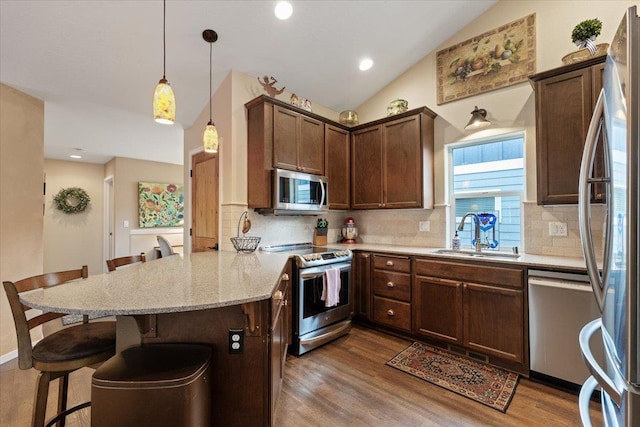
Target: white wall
{"type": "Point", "coordinates": [21, 221]}
{"type": "Point", "coordinates": [74, 240]}
{"type": "Point", "coordinates": [127, 173]}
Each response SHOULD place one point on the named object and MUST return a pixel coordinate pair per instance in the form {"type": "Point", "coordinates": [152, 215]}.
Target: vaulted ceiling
{"type": "Point", "coordinates": [109, 53]}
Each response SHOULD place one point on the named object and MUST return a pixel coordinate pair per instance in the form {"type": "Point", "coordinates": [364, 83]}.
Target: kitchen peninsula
{"type": "Point", "coordinates": [198, 298]}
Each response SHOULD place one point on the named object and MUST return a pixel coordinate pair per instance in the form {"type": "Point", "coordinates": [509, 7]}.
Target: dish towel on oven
{"type": "Point", "coordinates": [331, 287]}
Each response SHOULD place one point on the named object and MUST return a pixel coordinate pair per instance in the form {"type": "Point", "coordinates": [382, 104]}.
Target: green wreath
{"type": "Point", "coordinates": [72, 200]}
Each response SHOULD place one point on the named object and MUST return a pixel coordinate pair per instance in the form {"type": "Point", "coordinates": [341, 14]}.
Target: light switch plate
{"type": "Point", "coordinates": [425, 226]}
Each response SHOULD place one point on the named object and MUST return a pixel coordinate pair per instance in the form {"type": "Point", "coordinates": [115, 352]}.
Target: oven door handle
{"type": "Point", "coordinates": [336, 329]}
{"type": "Point", "coordinates": [319, 271]}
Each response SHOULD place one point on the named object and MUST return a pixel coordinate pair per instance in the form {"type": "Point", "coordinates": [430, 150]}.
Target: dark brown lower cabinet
{"type": "Point", "coordinates": [279, 339]}
{"type": "Point", "coordinates": [475, 307]}
{"type": "Point", "coordinates": [494, 321]}
{"type": "Point", "coordinates": [438, 308]}
{"type": "Point", "coordinates": [361, 270]}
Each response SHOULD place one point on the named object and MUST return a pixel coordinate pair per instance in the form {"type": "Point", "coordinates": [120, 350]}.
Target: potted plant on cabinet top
{"type": "Point", "coordinates": [584, 36]}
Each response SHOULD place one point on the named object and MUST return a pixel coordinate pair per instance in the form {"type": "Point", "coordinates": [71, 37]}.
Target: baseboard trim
{"type": "Point", "coordinates": [7, 357]}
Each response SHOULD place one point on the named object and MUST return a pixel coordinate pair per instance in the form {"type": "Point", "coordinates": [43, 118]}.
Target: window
{"type": "Point", "coordinates": [487, 178]}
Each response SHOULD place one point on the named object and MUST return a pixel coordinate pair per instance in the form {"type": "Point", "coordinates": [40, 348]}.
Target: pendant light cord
{"type": "Point", "coordinates": [210, 79]}
{"type": "Point", "coordinates": [164, 43]}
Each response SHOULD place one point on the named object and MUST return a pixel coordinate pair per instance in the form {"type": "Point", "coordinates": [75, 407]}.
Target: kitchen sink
{"type": "Point", "coordinates": [474, 254]}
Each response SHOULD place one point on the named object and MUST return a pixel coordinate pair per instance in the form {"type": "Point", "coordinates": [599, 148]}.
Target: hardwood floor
{"type": "Point", "coordinates": [344, 383]}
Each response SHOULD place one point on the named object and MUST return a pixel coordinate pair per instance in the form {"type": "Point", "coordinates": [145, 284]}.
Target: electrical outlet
{"type": "Point", "coordinates": [558, 229]}
{"type": "Point", "coordinates": [125, 224]}
{"type": "Point", "coordinates": [424, 226]}
{"type": "Point", "coordinates": [236, 341]}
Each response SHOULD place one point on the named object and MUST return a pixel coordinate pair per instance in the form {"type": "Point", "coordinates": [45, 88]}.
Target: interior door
{"type": "Point", "coordinates": [204, 202]}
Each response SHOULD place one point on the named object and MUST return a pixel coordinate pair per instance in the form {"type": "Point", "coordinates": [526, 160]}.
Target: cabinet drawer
{"type": "Point", "coordinates": [400, 264]}
{"type": "Point", "coordinates": [502, 276]}
{"type": "Point", "coordinates": [392, 313]}
{"type": "Point", "coordinates": [392, 285]}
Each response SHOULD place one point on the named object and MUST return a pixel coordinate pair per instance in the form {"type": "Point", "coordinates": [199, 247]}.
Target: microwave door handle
{"type": "Point", "coordinates": [584, 206]}
{"type": "Point", "coordinates": [323, 193]}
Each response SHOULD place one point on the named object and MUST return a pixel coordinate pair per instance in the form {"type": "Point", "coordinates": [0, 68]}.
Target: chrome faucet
{"type": "Point", "coordinates": [478, 245]}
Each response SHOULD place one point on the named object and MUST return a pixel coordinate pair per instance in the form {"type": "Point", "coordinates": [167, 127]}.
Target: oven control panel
{"type": "Point", "coordinates": [321, 258]}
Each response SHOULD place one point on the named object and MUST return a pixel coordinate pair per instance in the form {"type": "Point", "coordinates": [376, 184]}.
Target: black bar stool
{"type": "Point", "coordinates": [153, 385]}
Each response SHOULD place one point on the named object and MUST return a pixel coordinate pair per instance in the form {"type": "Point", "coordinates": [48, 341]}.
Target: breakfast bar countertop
{"type": "Point", "coordinates": [174, 284]}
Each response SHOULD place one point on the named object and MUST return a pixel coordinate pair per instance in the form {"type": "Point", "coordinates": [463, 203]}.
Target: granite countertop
{"type": "Point", "coordinates": [177, 283]}
{"type": "Point", "coordinates": [525, 260]}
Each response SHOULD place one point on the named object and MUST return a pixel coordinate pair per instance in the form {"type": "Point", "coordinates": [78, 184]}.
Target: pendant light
{"type": "Point", "coordinates": [210, 137]}
{"type": "Point", "coordinates": [164, 101]}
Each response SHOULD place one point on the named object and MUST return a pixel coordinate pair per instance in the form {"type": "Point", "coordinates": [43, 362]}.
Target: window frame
{"type": "Point", "coordinates": [451, 195]}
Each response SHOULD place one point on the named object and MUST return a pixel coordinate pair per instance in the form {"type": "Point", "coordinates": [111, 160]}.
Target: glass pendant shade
{"type": "Point", "coordinates": [164, 103]}
{"type": "Point", "coordinates": [210, 138]}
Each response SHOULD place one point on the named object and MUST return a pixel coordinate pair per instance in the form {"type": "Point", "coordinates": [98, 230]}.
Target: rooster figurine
{"type": "Point", "coordinates": [268, 85]}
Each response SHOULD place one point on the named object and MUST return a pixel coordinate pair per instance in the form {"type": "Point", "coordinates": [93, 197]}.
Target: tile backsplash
{"type": "Point", "coordinates": [401, 227]}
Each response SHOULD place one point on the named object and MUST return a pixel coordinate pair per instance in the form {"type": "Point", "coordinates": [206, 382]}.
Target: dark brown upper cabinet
{"type": "Point", "coordinates": [337, 155]}
{"type": "Point", "coordinates": [298, 141]}
{"type": "Point", "coordinates": [392, 162]}
{"type": "Point", "coordinates": [565, 99]}
{"type": "Point", "coordinates": [387, 163]}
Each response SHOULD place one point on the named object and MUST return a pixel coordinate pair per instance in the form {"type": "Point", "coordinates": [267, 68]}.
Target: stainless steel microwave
{"type": "Point", "coordinates": [298, 193]}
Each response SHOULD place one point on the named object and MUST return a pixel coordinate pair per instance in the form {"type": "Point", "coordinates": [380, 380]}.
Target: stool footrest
{"type": "Point", "coordinates": [64, 414]}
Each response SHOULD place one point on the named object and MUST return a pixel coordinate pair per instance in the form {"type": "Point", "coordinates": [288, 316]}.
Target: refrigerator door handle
{"type": "Point", "coordinates": [584, 206]}
{"type": "Point", "coordinates": [596, 370]}
{"type": "Point", "coordinates": [583, 401]}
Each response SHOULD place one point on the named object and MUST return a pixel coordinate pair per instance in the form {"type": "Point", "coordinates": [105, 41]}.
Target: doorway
{"type": "Point", "coordinates": [204, 202]}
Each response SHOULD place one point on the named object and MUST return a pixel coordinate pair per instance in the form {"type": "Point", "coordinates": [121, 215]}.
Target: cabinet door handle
{"type": "Point", "coordinates": [390, 313]}
{"type": "Point", "coordinates": [285, 277]}
{"type": "Point", "coordinates": [390, 263]}
{"type": "Point", "coordinates": [390, 285]}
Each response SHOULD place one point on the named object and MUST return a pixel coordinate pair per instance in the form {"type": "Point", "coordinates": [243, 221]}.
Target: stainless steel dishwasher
{"type": "Point", "coordinates": [560, 304]}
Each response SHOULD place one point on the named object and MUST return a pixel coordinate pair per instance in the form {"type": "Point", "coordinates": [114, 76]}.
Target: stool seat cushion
{"type": "Point", "coordinates": [76, 342]}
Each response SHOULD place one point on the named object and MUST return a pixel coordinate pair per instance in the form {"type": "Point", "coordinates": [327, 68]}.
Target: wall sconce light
{"type": "Point", "coordinates": [210, 137]}
{"type": "Point", "coordinates": [164, 101]}
{"type": "Point", "coordinates": [478, 120]}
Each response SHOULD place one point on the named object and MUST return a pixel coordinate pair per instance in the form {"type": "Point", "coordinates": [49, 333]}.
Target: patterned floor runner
{"type": "Point", "coordinates": [478, 381]}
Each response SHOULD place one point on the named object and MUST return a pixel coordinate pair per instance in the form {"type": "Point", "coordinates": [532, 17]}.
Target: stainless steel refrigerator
{"type": "Point", "coordinates": [615, 125]}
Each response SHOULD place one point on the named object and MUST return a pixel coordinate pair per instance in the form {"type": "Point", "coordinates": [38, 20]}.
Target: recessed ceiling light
{"type": "Point", "coordinates": [365, 64]}
{"type": "Point", "coordinates": [283, 10]}
{"type": "Point", "coordinates": [75, 156]}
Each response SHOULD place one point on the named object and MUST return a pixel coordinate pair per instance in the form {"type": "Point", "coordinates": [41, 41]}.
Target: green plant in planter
{"type": "Point", "coordinates": [584, 34]}
{"type": "Point", "coordinates": [585, 30]}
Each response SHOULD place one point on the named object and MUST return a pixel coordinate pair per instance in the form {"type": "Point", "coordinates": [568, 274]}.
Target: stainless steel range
{"type": "Point", "coordinates": [318, 320]}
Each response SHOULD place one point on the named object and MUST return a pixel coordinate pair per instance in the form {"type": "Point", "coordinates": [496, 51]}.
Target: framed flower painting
{"type": "Point", "coordinates": [160, 205]}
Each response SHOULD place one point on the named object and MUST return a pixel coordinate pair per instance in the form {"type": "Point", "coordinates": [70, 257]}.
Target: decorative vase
{"type": "Point", "coordinates": [349, 117]}
{"type": "Point", "coordinates": [397, 106]}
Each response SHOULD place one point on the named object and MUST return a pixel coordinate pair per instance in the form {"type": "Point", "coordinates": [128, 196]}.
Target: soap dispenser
{"type": "Point", "coordinates": [455, 242]}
